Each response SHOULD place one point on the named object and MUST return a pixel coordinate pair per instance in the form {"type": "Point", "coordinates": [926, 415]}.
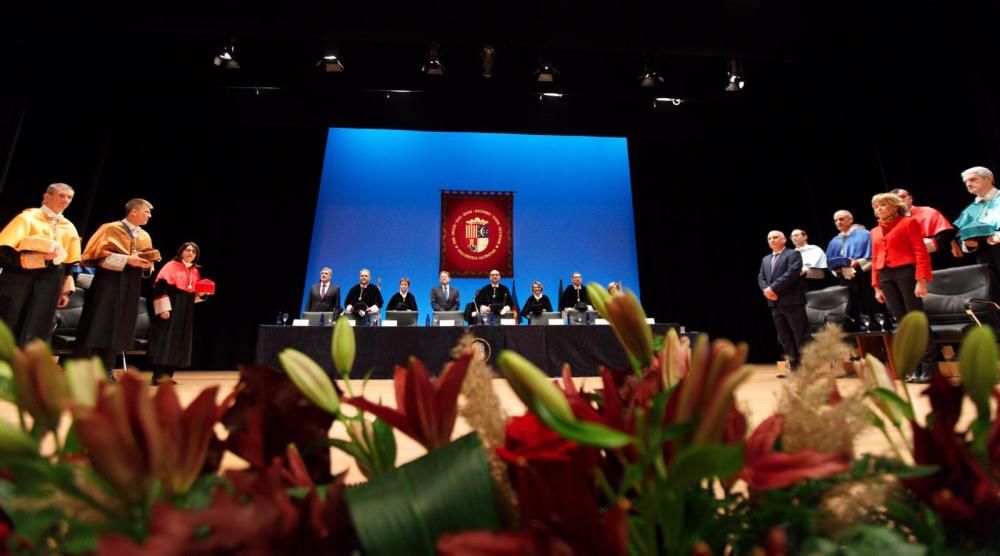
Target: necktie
{"type": "Point", "coordinates": [322, 291]}
{"type": "Point", "coordinates": [774, 260]}
{"type": "Point", "coordinates": [446, 292]}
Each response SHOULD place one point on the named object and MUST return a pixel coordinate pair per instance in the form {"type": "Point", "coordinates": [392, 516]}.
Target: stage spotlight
{"type": "Point", "coordinates": [736, 82]}
{"type": "Point", "coordinates": [433, 65]}
{"type": "Point", "coordinates": [649, 78]}
{"type": "Point", "coordinates": [488, 54]}
{"type": "Point", "coordinates": [331, 61]}
{"type": "Point", "coordinates": [546, 72]}
{"type": "Point", "coordinates": [226, 58]}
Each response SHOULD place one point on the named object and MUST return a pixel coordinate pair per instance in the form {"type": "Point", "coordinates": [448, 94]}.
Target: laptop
{"type": "Point", "coordinates": [402, 318]}
{"type": "Point", "coordinates": [457, 316]}
{"type": "Point", "coordinates": [314, 317]}
{"type": "Point", "coordinates": [582, 317]}
{"type": "Point", "coordinates": [543, 318]}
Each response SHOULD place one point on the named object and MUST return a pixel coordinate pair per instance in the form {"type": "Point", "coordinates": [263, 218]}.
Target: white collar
{"type": "Point", "coordinates": [131, 227]}
{"type": "Point", "coordinates": [988, 197]}
{"type": "Point", "coordinates": [539, 296]}
{"type": "Point", "coordinates": [51, 214]}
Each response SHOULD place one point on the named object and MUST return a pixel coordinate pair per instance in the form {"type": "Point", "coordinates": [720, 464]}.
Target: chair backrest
{"type": "Point", "coordinates": [952, 288]}
{"type": "Point", "coordinates": [826, 305]}
{"type": "Point", "coordinates": [543, 318]}
{"type": "Point", "coordinates": [402, 318]}
{"type": "Point", "coordinates": [142, 320]}
{"type": "Point", "coordinates": [68, 318]}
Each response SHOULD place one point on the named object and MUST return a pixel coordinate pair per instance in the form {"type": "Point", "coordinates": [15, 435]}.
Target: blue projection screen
{"type": "Point", "coordinates": [379, 207]}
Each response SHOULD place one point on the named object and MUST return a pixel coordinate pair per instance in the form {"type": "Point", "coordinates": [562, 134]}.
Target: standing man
{"type": "Point", "coordinates": [445, 297]}
{"type": "Point", "coordinates": [38, 249]}
{"type": "Point", "coordinates": [938, 232]}
{"type": "Point", "coordinates": [979, 224]}
{"type": "Point", "coordinates": [849, 257]}
{"type": "Point", "coordinates": [324, 296]}
{"type": "Point", "coordinates": [573, 296]}
{"type": "Point", "coordinates": [813, 260]}
{"type": "Point", "coordinates": [780, 280]}
{"type": "Point", "coordinates": [493, 299]}
{"type": "Point", "coordinates": [364, 300]}
{"type": "Point", "coordinates": [123, 255]}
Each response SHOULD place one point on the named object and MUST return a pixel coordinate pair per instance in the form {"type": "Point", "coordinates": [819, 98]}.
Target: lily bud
{"type": "Point", "coordinates": [629, 321]}
{"type": "Point", "coordinates": [532, 385]}
{"type": "Point", "coordinates": [598, 297]}
{"type": "Point", "coordinates": [82, 377]}
{"type": "Point", "coordinates": [14, 441]}
{"type": "Point", "coordinates": [344, 347]}
{"type": "Point", "coordinates": [7, 343]}
{"type": "Point", "coordinates": [977, 360]}
{"type": "Point", "coordinates": [39, 384]}
{"type": "Point", "coordinates": [910, 341]}
{"type": "Point", "coordinates": [310, 379]}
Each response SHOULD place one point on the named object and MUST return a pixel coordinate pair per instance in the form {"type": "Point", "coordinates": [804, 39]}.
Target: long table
{"type": "Point", "coordinates": [381, 349]}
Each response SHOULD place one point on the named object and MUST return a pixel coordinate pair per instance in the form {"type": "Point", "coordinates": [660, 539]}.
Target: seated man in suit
{"type": "Point", "coordinates": [324, 296]}
{"type": "Point", "coordinates": [493, 300]}
{"type": "Point", "coordinates": [780, 280]}
{"type": "Point", "coordinates": [445, 297]}
{"type": "Point", "coordinates": [364, 300]}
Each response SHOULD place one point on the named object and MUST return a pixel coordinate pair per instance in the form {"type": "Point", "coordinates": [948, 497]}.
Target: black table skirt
{"type": "Point", "coordinates": [381, 349]}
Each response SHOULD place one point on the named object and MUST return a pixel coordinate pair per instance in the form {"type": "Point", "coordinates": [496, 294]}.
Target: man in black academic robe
{"type": "Point", "coordinates": [363, 299]}
{"type": "Point", "coordinates": [574, 294]}
{"type": "Point", "coordinates": [493, 299]}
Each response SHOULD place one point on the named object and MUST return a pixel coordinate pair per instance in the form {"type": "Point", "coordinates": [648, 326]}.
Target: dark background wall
{"type": "Point", "coordinates": [232, 160]}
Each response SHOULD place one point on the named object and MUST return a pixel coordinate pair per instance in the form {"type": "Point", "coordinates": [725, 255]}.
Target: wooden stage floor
{"type": "Point", "coordinates": [757, 398]}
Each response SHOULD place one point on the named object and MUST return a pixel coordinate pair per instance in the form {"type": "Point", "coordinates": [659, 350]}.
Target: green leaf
{"type": "Point", "coordinates": [362, 458]}
{"type": "Point", "coordinates": [72, 444]}
{"type": "Point", "coordinates": [407, 509]}
{"type": "Point", "coordinates": [670, 515]}
{"type": "Point", "coordinates": [583, 432]}
{"type": "Point", "coordinates": [7, 343]}
{"type": "Point", "coordinates": [864, 540]}
{"type": "Point", "coordinates": [384, 445]}
{"type": "Point", "coordinates": [977, 360]}
{"type": "Point", "coordinates": [894, 399]}
{"type": "Point", "coordinates": [702, 461]}
{"type": "Point", "coordinates": [7, 383]}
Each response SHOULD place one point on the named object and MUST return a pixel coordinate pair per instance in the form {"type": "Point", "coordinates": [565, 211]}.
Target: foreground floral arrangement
{"type": "Point", "coordinates": [657, 461]}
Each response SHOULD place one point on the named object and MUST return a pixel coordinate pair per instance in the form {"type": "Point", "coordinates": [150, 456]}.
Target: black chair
{"type": "Point", "coordinates": [67, 320]}
{"type": "Point", "coordinates": [957, 299]}
{"type": "Point", "coordinates": [828, 305]}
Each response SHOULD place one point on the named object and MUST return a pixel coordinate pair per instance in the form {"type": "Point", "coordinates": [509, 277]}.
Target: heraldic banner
{"type": "Point", "coordinates": [477, 233]}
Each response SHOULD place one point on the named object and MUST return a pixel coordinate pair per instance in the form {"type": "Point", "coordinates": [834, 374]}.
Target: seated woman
{"type": "Point", "coordinates": [171, 329]}
{"type": "Point", "coordinates": [402, 301]}
{"type": "Point", "coordinates": [614, 288]}
{"type": "Point", "coordinates": [537, 304]}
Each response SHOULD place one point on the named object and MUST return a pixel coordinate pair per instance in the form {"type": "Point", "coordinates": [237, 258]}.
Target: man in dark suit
{"type": "Point", "coordinates": [780, 280]}
{"type": "Point", "coordinates": [493, 299]}
{"type": "Point", "coordinates": [445, 297]}
{"type": "Point", "coordinates": [324, 296]}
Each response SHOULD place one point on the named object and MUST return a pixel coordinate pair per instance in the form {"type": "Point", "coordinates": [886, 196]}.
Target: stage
{"type": "Point", "coordinates": [381, 349]}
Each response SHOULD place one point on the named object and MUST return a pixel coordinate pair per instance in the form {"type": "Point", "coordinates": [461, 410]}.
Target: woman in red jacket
{"type": "Point", "coordinates": [901, 269]}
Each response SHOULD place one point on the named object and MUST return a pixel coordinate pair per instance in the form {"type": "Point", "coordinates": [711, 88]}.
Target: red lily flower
{"type": "Point", "coordinates": [764, 468]}
{"type": "Point", "coordinates": [528, 440]}
{"type": "Point", "coordinates": [122, 436]}
{"type": "Point", "coordinates": [132, 438]}
{"type": "Point", "coordinates": [425, 411]}
{"type": "Point", "coordinates": [962, 492]}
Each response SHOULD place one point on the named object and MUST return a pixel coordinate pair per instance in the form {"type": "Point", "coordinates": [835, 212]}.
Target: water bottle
{"type": "Point", "coordinates": [278, 320]}
{"type": "Point", "coordinates": [322, 320]}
